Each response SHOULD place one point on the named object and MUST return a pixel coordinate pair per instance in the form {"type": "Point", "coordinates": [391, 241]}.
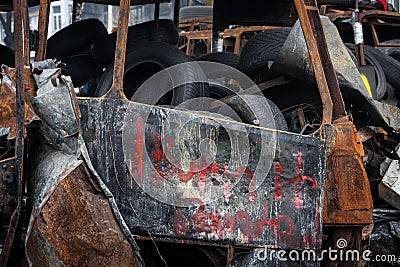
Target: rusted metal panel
{"type": "Point", "coordinates": [284, 211]}
{"type": "Point", "coordinates": [347, 194]}
{"type": "Point", "coordinates": [8, 204]}
{"type": "Point", "coordinates": [76, 227]}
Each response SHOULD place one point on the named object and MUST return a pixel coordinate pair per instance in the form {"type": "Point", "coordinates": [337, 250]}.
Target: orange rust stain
{"type": "Point", "coordinates": [78, 227]}
{"type": "Point", "coordinates": [347, 197]}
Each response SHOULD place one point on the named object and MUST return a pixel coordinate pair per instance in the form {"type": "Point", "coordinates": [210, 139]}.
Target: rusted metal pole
{"type": "Point", "coordinates": [360, 53]}
{"type": "Point", "coordinates": [43, 29]}
{"type": "Point", "coordinates": [20, 32]}
{"type": "Point", "coordinates": [26, 29]}
{"type": "Point", "coordinates": [117, 87]}
{"type": "Point", "coordinates": [333, 105]}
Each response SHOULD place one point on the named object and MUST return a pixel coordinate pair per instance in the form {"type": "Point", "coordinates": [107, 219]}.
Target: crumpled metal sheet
{"type": "Point", "coordinates": [55, 103]}
{"type": "Point", "coordinates": [294, 60]}
{"type": "Point", "coordinates": [74, 221]}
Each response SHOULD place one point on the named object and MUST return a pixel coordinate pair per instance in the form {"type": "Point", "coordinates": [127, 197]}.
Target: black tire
{"type": "Point", "coordinates": [190, 12]}
{"type": "Point", "coordinates": [379, 72]}
{"type": "Point", "coordinates": [103, 48]}
{"type": "Point", "coordinates": [7, 56]}
{"type": "Point", "coordinates": [66, 42]}
{"type": "Point", "coordinates": [81, 68]}
{"type": "Point", "coordinates": [218, 91]}
{"type": "Point", "coordinates": [147, 60]}
{"type": "Point", "coordinates": [246, 106]}
{"type": "Point", "coordinates": [390, 97]}
{"type": "Point", "coordinates": [393, 51]}
{"type": "Point", "coordinates": [259, 51]}
{"type": "Point", "coordinates": [390, 66]}
{"type": "Point", "coordinates": [346, 3]}
{"type": "Point", "coordinates": [226, 58]}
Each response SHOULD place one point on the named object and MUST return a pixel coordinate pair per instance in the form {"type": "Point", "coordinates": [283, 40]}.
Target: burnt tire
{"type": "Point", "coordinates": [346, 3]}
{"type": "Point", "coordinates": [390, 66]}
{"type": "Point", "coordinates": [218, 91]}
{"type": "Point", "coordinates": [247, 106]}
{"type": "Point", "coordinates": [390, 97]}
{"type": "Point", "coordinates": [71, 39]}
{"type": "Point", "coordinates": [379, 71]}
{"type": "Point", "coordinates": [261, 49]}
{"type": "Point", "coordinates": [149, 59]}
{"type": "Point", "coordinates": [103, 48]}
{"type": "Point", "coordinates": [230, 59]}
{"type": "Point", "coordinates": [7, 56]}
{"type": "Point", "coordinates": [393, 51]}
{"type": "Point", "coordinates": [81, 68]}
{"type": "Point", "coordinates": [190, 12]}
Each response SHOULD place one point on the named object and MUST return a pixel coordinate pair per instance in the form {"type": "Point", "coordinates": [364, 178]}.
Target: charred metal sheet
{"type": "Point", "coordinates": [8, 204]}
{"type": "Point", "coordinates": [389, 189]}
{"type": "Point", "coordinates": [63, 118]}
{"type": "Point", "coordinates": [294, 58]}
{"type": "Point", "coordinates": [75, 226]}
{"type": "Point", "coordinates": [74, 221]}
{"type": "Point", "coordinates": [347, 195]}
{"type": "Point", "coordinates": [284, 211]}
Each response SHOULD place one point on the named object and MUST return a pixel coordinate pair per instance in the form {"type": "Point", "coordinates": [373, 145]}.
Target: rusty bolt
{"type": "Point", "coordinates": [5, 167]}
{"type": "Point", "coordinates": [8, 177]}
{"type": "Point", "coordinates": [12, 167]}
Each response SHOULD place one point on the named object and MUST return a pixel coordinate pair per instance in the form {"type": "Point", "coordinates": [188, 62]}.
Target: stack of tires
{"type": "Point", "coordinates": [391, 69]}
{"type": "Point", "coordinates": [86, 49]}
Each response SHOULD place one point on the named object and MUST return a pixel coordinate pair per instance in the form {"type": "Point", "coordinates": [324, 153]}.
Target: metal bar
{"type": "Point", "coordinates": [26, 29]}
{"type": "Point", "coordinates": [43, 26]}
{"type": "Point", "coordinates": [324, 73]}
{"type": "Point", "coordinates": [156, 20]}
{"type": "Point", "coordinates": [117, 87]}
{"type": "Point", "coordinates": [360, 53]}
{"type": "Point", "coordinates": [177, 7]}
